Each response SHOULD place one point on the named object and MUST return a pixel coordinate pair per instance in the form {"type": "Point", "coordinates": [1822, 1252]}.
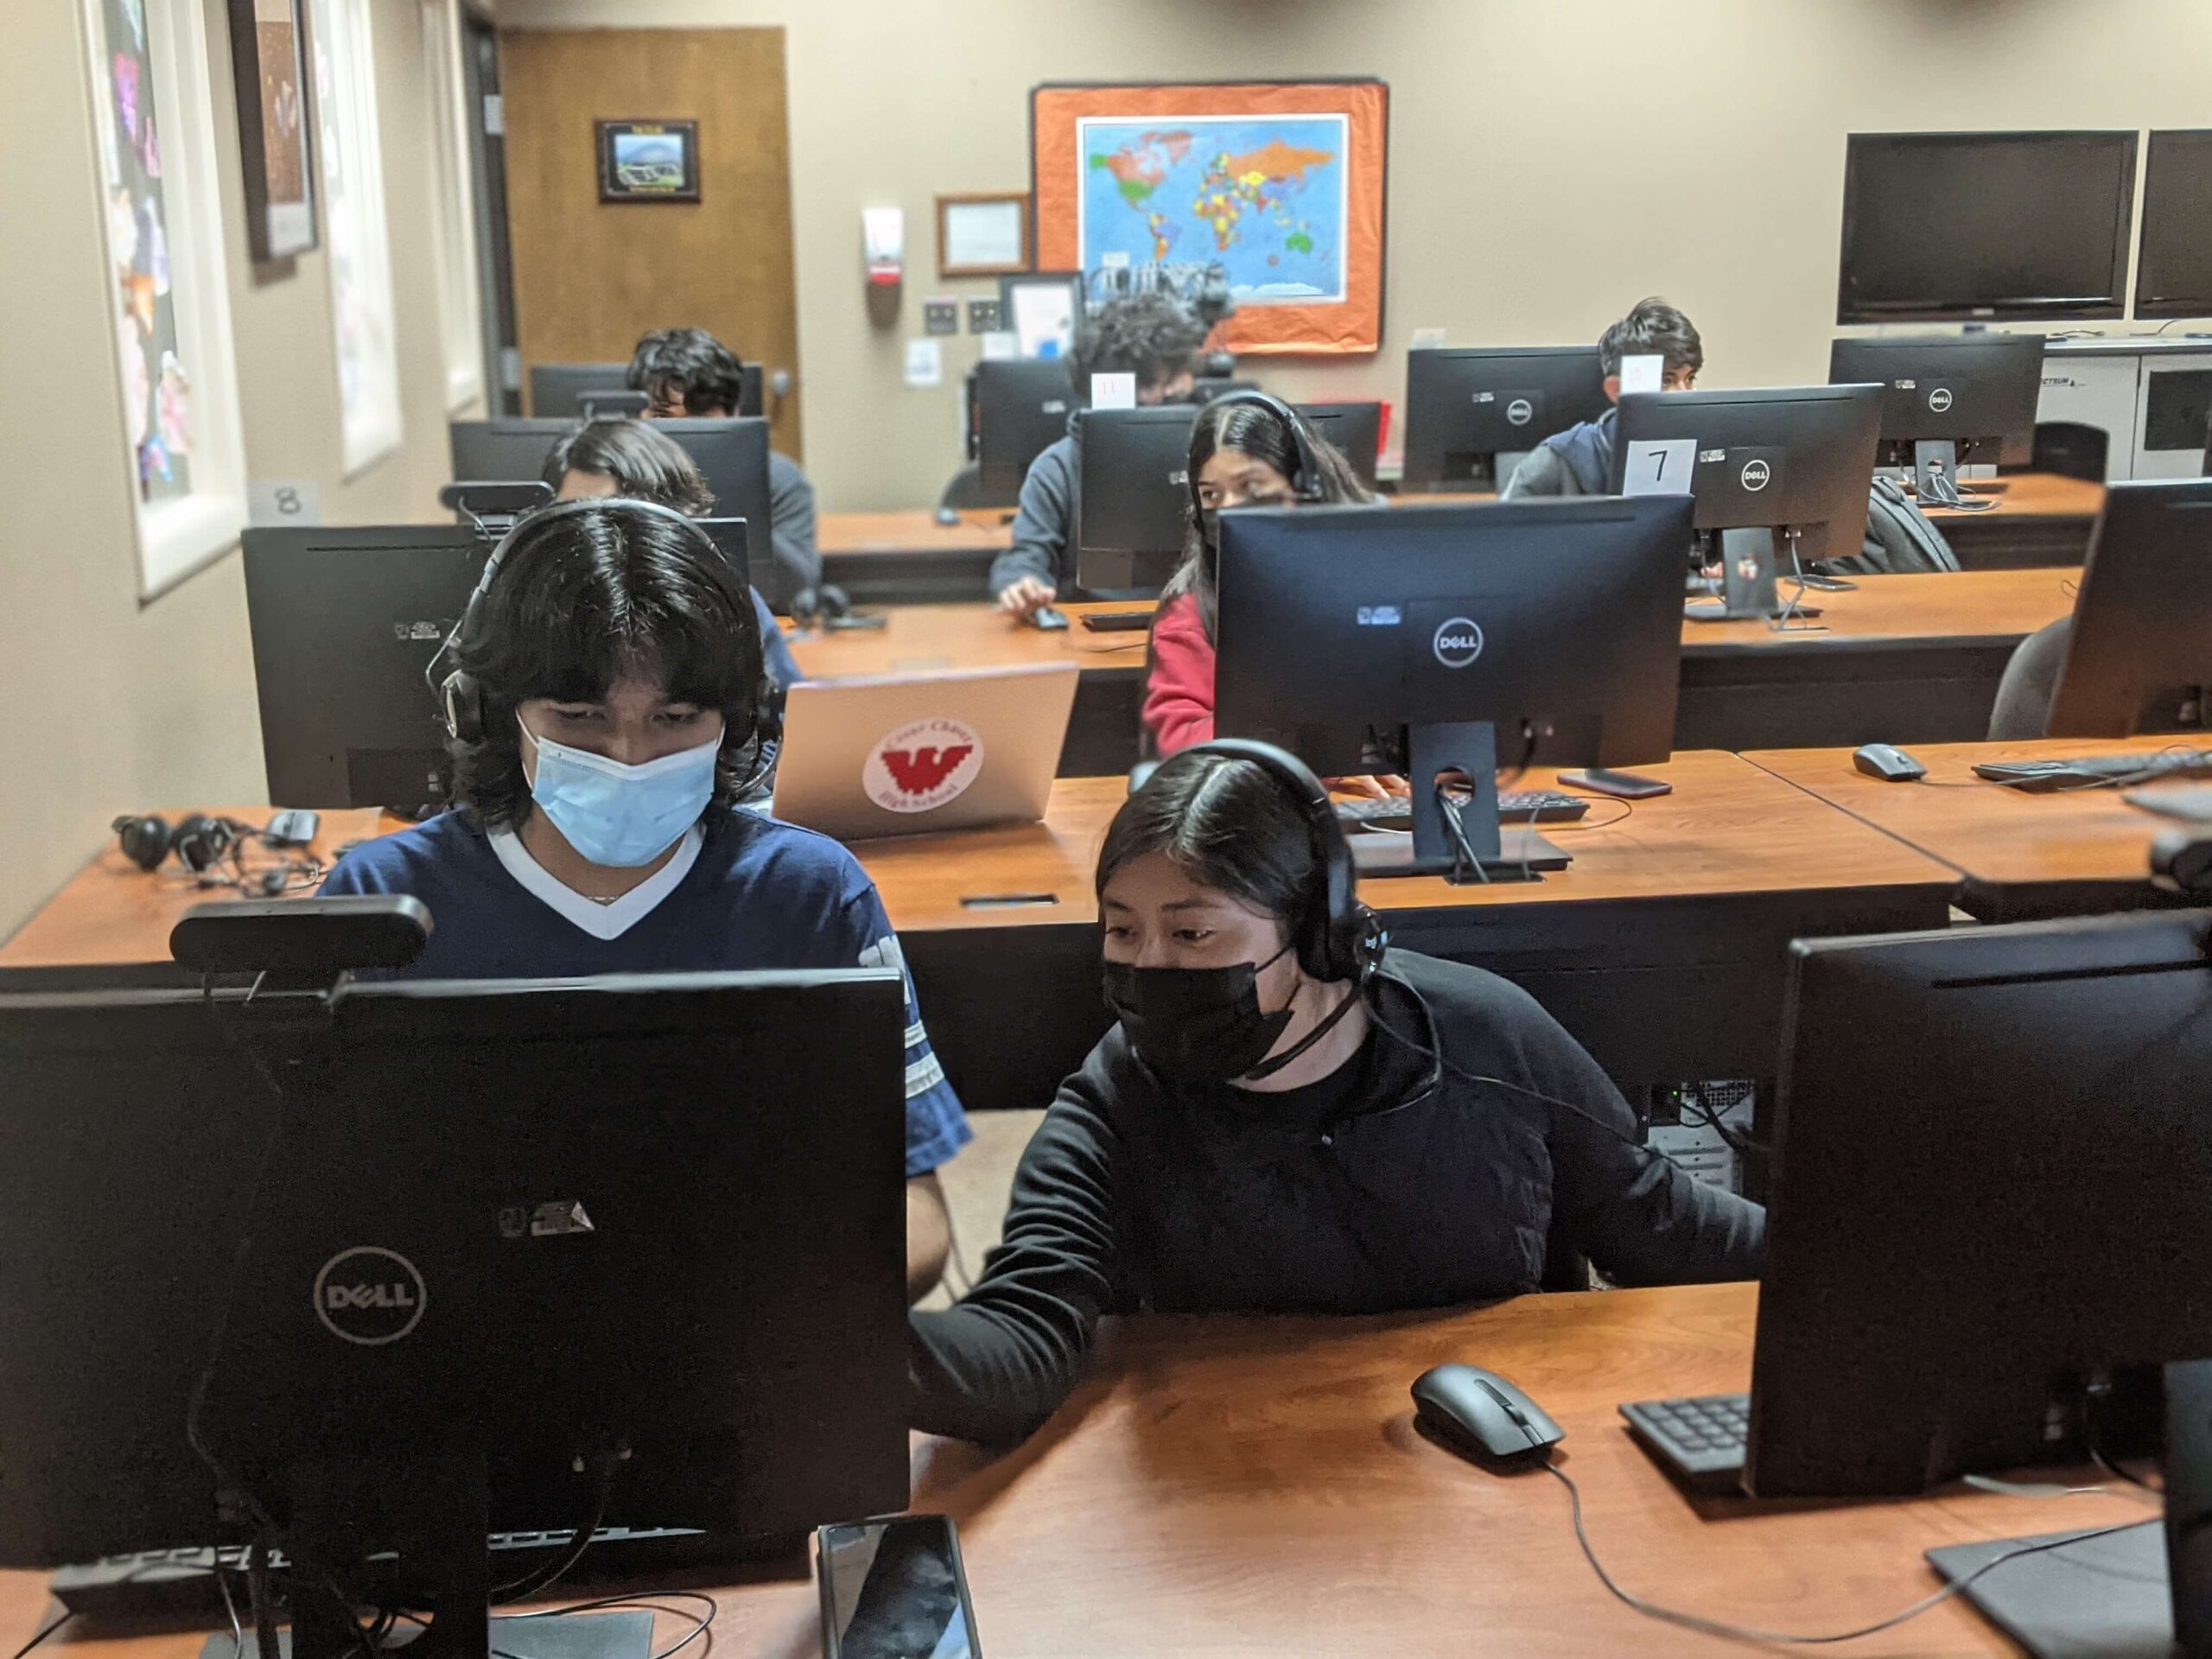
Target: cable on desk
{"type": "Point", "coordinates": [1705, 1626]}
{"type": "Point", "coordinates": [44, 1634]}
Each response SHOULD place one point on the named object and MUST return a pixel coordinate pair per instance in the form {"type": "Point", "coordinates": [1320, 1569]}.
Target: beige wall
{"type": "Point", "coordinates": [1553, 160]}
{"type": "Point", "coordinates": [113, 705]}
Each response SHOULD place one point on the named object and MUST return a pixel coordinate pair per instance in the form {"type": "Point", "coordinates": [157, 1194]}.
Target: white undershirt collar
{"type": "Point", "coordinates": [601, 921]}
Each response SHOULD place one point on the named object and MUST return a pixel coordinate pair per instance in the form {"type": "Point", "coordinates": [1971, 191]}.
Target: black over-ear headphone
{"type": "Point", "coordinates": [200, 842]}
{"type": "Point", "coordinates": [1307, 483]}
{"type": "Point", "coordinates": [1340, 938]}
{"type": "Point", "coordinates": [462, 699]}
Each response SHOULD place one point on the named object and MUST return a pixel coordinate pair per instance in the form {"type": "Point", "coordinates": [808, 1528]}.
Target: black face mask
{"type": "Point", "coordinates": [1205, 1025]}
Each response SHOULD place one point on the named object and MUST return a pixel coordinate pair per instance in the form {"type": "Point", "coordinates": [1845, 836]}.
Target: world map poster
{"type": "Point", "coordinates": [1282, 184]}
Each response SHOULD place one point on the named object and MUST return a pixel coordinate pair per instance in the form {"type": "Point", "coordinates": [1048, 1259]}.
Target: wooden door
{"type": "Point", "coordinates": [590, 276]}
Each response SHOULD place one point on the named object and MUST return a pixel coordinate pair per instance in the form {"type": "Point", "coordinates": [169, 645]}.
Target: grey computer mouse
{"type": "Point", "coordinates": [1481, 1415]}
{"type": "Point", "coordinates": [1888, 762]}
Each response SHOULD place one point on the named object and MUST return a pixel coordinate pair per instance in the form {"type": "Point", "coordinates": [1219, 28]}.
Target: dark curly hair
{"type": "Point", "coordinates": [1254, 429]}
{"type": "Point", "coordinates": [587, 593]}
{"type": "Point", "coordinates": [645, 464]}
{"type": "Point", "coordinates": [1653, 328]}
{"type": "Point", "coordinates": [1148, 335]}
{"type": "Point", "coordinates": [688, 367]}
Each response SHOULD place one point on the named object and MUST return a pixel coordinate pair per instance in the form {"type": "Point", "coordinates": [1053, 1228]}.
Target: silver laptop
{"type": "Point", "coordinates": [910, 754]}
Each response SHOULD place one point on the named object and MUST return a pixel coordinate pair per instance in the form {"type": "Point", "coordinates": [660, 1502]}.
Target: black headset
{"type": "Point", "coordinates": [1339, 938]}
{"type": "Point", "coordinates": [462, 699]}
{"type": "Point", "coordinates": [1305, 484]}
{"type": "Point", "coordinates": [200, 842]}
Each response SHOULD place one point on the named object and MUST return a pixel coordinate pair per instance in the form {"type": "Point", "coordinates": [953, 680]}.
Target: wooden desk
{"type": "Point", "coordinates": [2040, 520]}
{"type": "Point", "coordinates": [1662, 947]}
{"type": "Point", "coordinates": [1256, 1486]}
{"type": "Point", "coordinates": [1905, 659]}
{"type": "Point", "coordinates": [2017, 856]}
{"type": "Point", "coordinates": [905, 559]}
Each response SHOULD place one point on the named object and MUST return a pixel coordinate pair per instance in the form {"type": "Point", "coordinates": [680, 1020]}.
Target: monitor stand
{"type": "Point", "coordinates": [1749, 560]}
{"type": "Point", "coordinates": [1934, 477]}
{"type": "Point", "coordinates": [1490, 852]}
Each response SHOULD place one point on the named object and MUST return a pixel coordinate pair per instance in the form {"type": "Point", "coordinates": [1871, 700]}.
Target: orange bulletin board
{"type": "Point", "coordinates": [1283, 182]}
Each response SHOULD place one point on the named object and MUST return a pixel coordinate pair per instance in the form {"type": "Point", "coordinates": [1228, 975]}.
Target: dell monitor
{"type": "Point", "coordinates": [1471, 413]}
{"type": "Point", "coordinates": [1789, 464]}
{"type": "Point", "coordinates": [1355, 429]}
{"type": "Point", "coordinates": [732, 456]}
{"type": "Point", "coordinates": [1949, 226]}
{"type": "Point", "coordinates": [345, 623]}
{"type": "Point", "coordinates": [2138, 659]}
{"type": "Point", "coordinates": [1946, 399]}
{"type": "Point", "coordinates": [2173, 258]}
{"type": "Point", "coordinates": [1023, 406]}
{"type": "Point", "coordinates": [557, 390]}
{"type": "Point", "coordinates": [1133, 508]}
{"type": "Point", "coordinates": [1437, 639]}
{"type": "Point", "coordinates": [402, 1260]}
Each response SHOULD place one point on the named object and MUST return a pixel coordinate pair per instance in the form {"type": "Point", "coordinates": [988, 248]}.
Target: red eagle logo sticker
{"type": "Point", "coordinates": [924, 764]}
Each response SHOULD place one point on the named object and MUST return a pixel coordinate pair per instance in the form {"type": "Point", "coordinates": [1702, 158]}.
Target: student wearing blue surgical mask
{"type": "Point", "coordinates": [606, 717]}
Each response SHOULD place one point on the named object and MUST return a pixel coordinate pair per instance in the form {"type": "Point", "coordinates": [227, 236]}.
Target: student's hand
{"type": "Point", "coordinates": [1369, 789]}
{"type": "Point", "coordinates": [1026, 596]}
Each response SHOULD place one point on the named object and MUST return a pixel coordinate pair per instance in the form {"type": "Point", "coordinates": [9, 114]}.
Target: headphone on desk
{"type": "Point", "coordinates": [212, 850]}
{"type": "Point", "coordinates": [461, 697]}
{"type": "Point", "coordinates": [1338, 938]}
{"type": "Point", "coordinates": [1306, 482]}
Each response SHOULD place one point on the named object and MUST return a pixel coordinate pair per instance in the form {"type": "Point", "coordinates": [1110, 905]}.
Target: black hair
{"type": "Point", "coordinates": [587, 594]}
{"type": "Point", "coordinates": [1256, 430]}
{"type": "Point", "coordinates": [688, 367]}
{"type": "Point", "coordinates": [1148, 335]}
{"type": "Point", "coordinates": [1230, 824]}
{"type": "Point", "coordinates": [645, 464]}
{"type": "Point", "coordinates": [1653, 326]}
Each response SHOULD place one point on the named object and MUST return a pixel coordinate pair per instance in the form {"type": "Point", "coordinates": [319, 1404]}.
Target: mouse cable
{"type": "Point", "coordinates": [1705, 1626]}
{"type": "Point", "coordinates": [45, 1633]}
{"type": "Point", "coordinates": [1650, 1153]}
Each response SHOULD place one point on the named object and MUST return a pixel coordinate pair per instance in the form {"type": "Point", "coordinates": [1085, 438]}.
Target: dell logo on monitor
{"type": "Point", "coordinates": [1755, 474]}
{"type": "Point", "coordinates": [1940, 399]}
{"type": "Point", "coordinates": [369, 1296]}
{"type": "Point", "coordinates": [1520, 412]}
{"type": "Point", "coordinates": [1459, 642]}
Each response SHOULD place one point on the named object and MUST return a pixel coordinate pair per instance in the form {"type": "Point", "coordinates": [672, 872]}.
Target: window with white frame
{"type": "Point", "coordinates": [359, 238]}
{"type": "Point", "coordinates": [459, 311]}
{"type": "Point", "coordinates": [152, 108]}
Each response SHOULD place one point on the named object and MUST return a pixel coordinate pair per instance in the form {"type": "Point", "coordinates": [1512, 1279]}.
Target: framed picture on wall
{"type": "Point", "coordinates": [982, 234]}
{"type": "Point", "coordinates": [268, 62]}
{"type": "Point", "coordinates": [1281, 183]}
{"type": "Point", "coordinates": [648, 161]}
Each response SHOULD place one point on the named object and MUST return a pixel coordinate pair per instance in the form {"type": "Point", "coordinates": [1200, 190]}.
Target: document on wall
{"type": "Point", "coordinates": [925, 362]}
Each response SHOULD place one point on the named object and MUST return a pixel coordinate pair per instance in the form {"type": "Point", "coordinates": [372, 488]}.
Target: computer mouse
{"type": "Point", "coordinates": [948, 516]}
{"type": "Point", "coordinates": [1050, 621]}
{"type": "Point", "coordinates": [1482, 1415]}
{"type": "Point", "coordinates": [1888, 762]}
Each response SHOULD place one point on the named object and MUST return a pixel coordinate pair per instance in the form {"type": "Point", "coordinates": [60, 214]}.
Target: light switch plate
{"type": "Point", "coordinates": [941, 315]}
{"type": "Point", "coordinates": [983, 316]}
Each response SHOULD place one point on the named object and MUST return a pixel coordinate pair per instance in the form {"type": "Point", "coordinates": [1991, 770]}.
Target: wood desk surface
{"type": "Point", "coordinates": [913, 530]}
{"type": "Point", "coordinates": [1236, 1486]}
{"type": "Point", "coordinates": [1729, 829]}
{"type": "Point", "coordinates": [1990, 834]}
{"type": "Point", "coordinates": [2028, 495]}
{"type": "Point", "coordinates": [1967, 605]}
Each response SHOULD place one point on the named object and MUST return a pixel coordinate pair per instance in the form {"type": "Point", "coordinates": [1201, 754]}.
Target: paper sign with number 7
{"type": "Point", "coordinates": [1659, 466]}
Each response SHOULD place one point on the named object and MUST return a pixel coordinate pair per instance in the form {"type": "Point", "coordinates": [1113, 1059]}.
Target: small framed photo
{"type": "Point", "coordinates": [648, 161]}
{"type": "Point", "coordinates": [983, 235]}
{"type": "Point", "coordinates": [269, 64]}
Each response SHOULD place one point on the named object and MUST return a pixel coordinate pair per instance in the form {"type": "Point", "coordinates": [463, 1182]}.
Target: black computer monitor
{"type": "Point", "coordinates": [402, 1255]}
{"type": "Point", "coordinates": [1993, 1149]}
{"type": "Point", "coordinates": [1943, 226]}
{"type": "Point", "coordinates": [731, 454]}
{"type": "Point", "coordinates": [1134, 505]}
{"type": "Point", "coordinates": [1947, 399]}
{"type": "Point", "coordinates": [556, 390]}
{"type": "Point", "coordinates": [1467, 406]}
{"type": "Point", "coordinates": [1022, 408]}
{"type": "Point", "coordinates": [344, 624]}
{"type": "Point", "coordinates": [2173, 257]}
{"type": "Point", "coordinates": [1427, 639]}
{"type": "Point", "coordinates": [1356, 429]}
{"type": "Point", "coordinates": [2139, 656]}
{"type": "Point", "coordinates": [1790, 462]}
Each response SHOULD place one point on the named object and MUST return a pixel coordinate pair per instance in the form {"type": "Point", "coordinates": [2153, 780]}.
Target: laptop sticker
{"type": "Point", "coordinates": [923, 764]}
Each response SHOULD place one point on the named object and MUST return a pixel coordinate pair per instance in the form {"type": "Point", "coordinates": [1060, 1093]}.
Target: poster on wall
{"type": "Point", "coordinates": [1283, 183]}
{"type": "Point", "coordinates": [268, 63]}
{"type": "Point", "coordinates": [648, 161]}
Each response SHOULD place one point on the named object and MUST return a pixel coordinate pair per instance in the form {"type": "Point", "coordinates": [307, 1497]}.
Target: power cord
{"type": "Point", "coordinates": [531, 1583]}
{"type": "Point", "coordinates": [45, 1633]}
{"type": "Point", "coordinates": [1705, 1626]}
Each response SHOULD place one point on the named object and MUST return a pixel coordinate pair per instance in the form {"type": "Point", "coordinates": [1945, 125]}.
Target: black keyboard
{"type": "Point", "coordinates": [2097, 771]}
{"type": "Point", "coordinates": [1699, 1442]}
{"type": "Point", "coordinates": [1523, 806]}
{"type": "Point", "coordinates": [161, 1585]}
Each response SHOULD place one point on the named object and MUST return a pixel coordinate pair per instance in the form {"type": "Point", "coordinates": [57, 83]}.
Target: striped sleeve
{"type": "Point", "coordinates": [936, 1127]}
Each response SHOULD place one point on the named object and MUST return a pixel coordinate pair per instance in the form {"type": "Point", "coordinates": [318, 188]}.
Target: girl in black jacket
{"type": "Point", "coordinates": [1285, 1119]}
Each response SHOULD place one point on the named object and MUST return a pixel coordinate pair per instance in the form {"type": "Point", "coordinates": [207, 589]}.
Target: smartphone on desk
{"type": "Point", "coordinates": [894, 1589]}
